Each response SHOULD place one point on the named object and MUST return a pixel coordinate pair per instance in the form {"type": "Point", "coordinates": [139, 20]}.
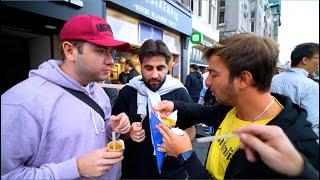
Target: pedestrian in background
{"type": "Point", "coordinates": [204, 88]}
{"type": "Point", "coordinates": [132, 72]}
{"type": "Point", "coordinates": [123, 76]}
{"type": "Point", "coordinates": [295, 84]}
{"type": "Point", "coordinates": [240, 73]}
{"type": "Point", "coordinates": [194, 82]}
{"type": "Point", "coordinates": [135, 100]}
{"type": "Point", "coordinates": [129, 72]}
{"type": "Point", "coordinates": [47, 130]}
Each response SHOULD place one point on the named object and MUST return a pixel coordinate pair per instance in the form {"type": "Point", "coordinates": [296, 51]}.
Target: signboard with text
{"type": "Point", "coordinates": [161, 11]}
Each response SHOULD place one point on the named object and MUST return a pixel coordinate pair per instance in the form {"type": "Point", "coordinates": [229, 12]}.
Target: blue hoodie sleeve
{"type": "Point", "coordinates": [20, 139]}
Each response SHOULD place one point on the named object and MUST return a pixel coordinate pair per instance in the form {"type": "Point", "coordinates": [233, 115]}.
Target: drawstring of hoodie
{"type": "Point", "coordinates": [94, 122]}
{"type": "Point", "coordinates": [87, 89]}
{"type": "Point", "coordinates": [102, 123]}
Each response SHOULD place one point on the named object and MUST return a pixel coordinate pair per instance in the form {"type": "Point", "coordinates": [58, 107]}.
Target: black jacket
{"type": "Point", "coordinates": [292, 120]}
{"type": "Point", "coordinates": [139, 161]}
{"type": "Point", "coordinates": [194, 84]}
{"type": "Point", "coordinates": [132, 73]}
{"type": "Point", "coordinates": [123, 77]}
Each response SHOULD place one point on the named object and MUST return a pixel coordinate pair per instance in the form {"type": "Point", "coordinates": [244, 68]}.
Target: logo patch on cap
{"type": "Point", "coordinates": [104, 27]}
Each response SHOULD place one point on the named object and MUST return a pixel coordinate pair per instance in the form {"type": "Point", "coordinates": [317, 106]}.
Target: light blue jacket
{"type": "Point", "coordinates": [302, 90]}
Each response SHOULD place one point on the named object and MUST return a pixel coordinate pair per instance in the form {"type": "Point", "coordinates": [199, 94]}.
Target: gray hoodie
{"type": "Point", "coordinates": [44, 128]}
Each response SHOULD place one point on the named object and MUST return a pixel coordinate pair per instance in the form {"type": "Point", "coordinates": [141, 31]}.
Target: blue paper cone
{"type": "Point", "coordinates": [157, 140]}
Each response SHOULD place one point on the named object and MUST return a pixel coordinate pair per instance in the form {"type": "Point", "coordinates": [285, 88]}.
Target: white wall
{"type": "Point", "coordinates": [200, 23]}
{"type": "Point", "coordinates": [232, 15]}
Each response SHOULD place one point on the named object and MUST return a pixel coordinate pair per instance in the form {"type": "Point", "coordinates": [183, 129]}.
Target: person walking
{"type": "Point", "coordinates": [194, 83]}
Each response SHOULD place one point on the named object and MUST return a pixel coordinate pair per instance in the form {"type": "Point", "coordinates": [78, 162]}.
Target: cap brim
{"type": "Point", "coordinates": [118, 45]}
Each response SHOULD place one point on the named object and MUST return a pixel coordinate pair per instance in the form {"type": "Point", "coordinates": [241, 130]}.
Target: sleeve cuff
{"type": "Point", "coordinates": [308, 172]}
{"type": "Point", "coordinates": [67, 169]}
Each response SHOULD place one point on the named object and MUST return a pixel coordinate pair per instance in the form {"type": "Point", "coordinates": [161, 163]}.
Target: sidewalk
{"type": "Point", "coordinates": [201, 148]}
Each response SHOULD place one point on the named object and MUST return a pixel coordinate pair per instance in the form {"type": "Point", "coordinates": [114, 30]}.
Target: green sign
{"type": "Point", "coordinates": [196, 38]}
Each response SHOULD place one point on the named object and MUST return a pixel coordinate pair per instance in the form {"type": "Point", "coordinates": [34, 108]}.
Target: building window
{"type": "Point", "coordinates": [185, 3]}
{"type": "Point", "coordinates": [221, 17]}
{"type": "Point", "coordinates": [191, 5]}
{"type": "Point", "coordinates": [222, 3]}
{"type": "Point", "coordinates": [252, 26]}
{"type": "Point", "coordinates": [253, 14]}
{"type": "Point", "coordinates": [199, 7]}
{"type": "Point", "coordinates": [210, 12]}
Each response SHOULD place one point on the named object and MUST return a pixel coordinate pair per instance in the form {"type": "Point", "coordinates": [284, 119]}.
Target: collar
{"type": "Point", "coordinates": [298, 70]}
{"type": "Point", "coordinates": [292, 120]}
{"type": "Point", "coordinates": [147, 98]}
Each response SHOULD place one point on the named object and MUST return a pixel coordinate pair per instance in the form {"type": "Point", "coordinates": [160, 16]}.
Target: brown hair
{"type": "Point", "coordinates": [152, 48]}
{"type": "Point", "coordinates": [248, 52]}
{"type": "Point", "coordinates": [130, 63]}
{"type": "Point", "coordinates": [306, 50]}
{"type": "Point", "coordinates": [78, 44]}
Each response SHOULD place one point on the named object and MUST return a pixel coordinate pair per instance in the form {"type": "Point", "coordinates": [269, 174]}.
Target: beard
{"type": "Point", "coordinates": [228, 95]}
{"type": "Point", "coordinates": [153, 87]}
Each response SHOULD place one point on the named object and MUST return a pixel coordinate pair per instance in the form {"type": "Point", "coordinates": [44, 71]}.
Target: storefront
{"type": "Point", "coordinates": [198, 42]}
{"type": "Point", "coordinates": [29, 33]}
{"type": "Point", "coordinates": [203, 35]}
{"type": "Point", "coordinates": [135, 21]}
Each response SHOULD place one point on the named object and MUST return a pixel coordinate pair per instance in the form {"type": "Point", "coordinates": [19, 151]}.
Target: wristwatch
{"type": "Point", "coordinates": [183, 157]}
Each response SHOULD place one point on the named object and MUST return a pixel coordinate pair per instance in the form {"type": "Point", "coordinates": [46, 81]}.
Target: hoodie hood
{"type": "Point", "coordinates": [197, 74]}
{"type": "Point", "coordinates": [50, 70]}
{"type": "Point", "coordinates": [52, 126]}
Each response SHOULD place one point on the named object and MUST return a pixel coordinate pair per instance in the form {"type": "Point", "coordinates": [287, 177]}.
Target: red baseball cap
{"type": "Point", "coordinates": [92, 29]}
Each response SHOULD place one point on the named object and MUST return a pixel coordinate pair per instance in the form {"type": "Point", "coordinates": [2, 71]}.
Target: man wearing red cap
{"type": "Point", "coordinates": [56, 123]}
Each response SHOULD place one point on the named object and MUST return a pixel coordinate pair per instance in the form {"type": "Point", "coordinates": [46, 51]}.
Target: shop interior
{"type": "Point", "coordinates": [132, 55]}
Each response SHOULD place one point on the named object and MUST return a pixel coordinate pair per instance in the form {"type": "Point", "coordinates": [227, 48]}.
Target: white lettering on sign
{"type": "Point", "coordinates": [165, 7]}
{"type": "Point", "coordinates": [141, 9]}
{"type": "Point", "coordinates": [159, 17]}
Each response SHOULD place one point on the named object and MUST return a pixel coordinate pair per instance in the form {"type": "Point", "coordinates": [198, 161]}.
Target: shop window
{"type": "Point", "coordinates": [172, 41]}
{"type": "Point", "coordinates": [174, 45]}
{"type": "Point", "coordinates": [120, 24]}
{"type": "Point", "coordinates": [147, 31]}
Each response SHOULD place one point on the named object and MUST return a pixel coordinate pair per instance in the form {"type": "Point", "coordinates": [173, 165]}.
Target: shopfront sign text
{"type": "Point", "coordinates": [161, 11]}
